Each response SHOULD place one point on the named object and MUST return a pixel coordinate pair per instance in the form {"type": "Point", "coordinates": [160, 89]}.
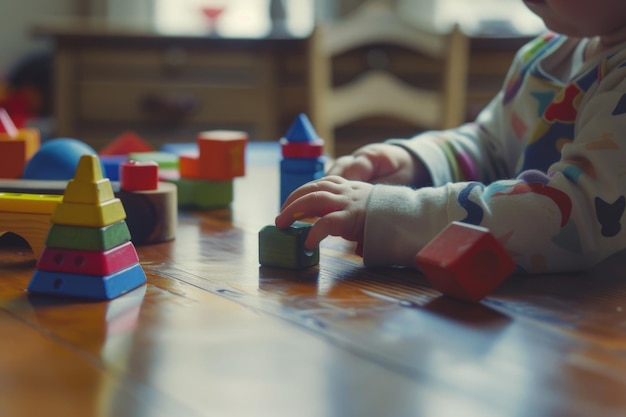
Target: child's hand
{"type": "Point", "coordinates": [339, 203]}
{"type": "Point", "coordinates": [380, 163]}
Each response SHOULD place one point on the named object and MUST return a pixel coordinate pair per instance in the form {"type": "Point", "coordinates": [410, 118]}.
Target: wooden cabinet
{"type": "Point", "coordinates": [167, 88]}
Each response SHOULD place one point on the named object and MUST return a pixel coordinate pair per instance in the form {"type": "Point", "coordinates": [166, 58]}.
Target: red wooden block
{"type": "Point", "coordinates": [313, 149]}
{"type": "Point", "coordinates": [139, 175]}
{"type": "Point", "coordinates": [126, 143]}
{"type": "Point", "coordinates": [465, 261]}
{"type": "Point", "coordinates": [15, 151]}
{"type": "Point", "coordinates": [12, 158]}
{"type": "Point", "coordinates": [88, 262]}
{"type": "Point", "coordinates": [222, 154]}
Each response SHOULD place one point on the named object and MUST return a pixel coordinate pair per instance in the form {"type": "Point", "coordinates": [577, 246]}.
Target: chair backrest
{"type": "Point", "coordinates": [377, 92]}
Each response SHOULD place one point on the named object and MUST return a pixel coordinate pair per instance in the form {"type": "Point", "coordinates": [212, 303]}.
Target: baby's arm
{"type": "Point", "coordinates": [382, 163]}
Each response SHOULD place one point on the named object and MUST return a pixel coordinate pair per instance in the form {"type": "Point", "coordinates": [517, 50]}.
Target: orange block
{"type": "Point", "coordinates": [189, 166]}
{"type": "Point", "coordinates": [222, 154]}
{"type": "Point", "coordinates": [16, 151]}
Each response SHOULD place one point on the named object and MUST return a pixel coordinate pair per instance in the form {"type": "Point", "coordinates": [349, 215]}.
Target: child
{"type": "Point", "coordinates": [543, 167]}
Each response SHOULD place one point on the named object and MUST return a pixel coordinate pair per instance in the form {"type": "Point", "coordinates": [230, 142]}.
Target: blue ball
{"type": "Point", "coordinates": [56, 159]}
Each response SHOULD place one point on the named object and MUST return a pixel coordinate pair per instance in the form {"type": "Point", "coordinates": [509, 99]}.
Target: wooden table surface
{"type": "Point", "coordinates": [215, 334]}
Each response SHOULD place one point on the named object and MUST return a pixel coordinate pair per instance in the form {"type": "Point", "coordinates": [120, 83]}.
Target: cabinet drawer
{"type": "Point", "coordinates": [171, 64]}
{"type": "Point", "coordinates": [139, 102]}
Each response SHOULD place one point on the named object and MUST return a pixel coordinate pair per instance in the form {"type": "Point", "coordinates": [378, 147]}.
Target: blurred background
{"type": "Point", "coordinates": [35, 34]}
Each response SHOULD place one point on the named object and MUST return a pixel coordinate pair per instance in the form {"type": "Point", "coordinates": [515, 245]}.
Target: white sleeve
{"type": "Point", "coordinates": [569, 218]}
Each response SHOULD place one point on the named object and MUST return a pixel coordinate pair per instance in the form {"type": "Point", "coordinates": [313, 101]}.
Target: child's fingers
{"type": "Point", "coordinates": [314, 204]}
{"type": "Point", "coordinates": [331, 184]}
{"type": "Point", "coordinates": [357, 168]}
{"type": "Point", "coordinates": [332, 224]}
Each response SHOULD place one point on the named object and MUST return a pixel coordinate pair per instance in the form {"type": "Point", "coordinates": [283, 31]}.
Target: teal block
{"type": "Point", "coordinates": [88, 238]}
{"type": "Point", "coordinates": [284, 248]}
{"type": "Point", "coordinates": [203, 194]}
{"type": "Point", "coordinates": [91, 287]}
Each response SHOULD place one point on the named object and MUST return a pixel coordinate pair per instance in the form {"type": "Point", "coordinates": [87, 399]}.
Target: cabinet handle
{"type": "Point", "coordinates": [173, 107]}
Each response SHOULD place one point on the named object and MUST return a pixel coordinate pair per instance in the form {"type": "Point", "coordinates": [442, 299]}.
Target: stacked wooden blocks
{"type": "Point", "coordinates": [206, 178]}
{"type": "Point", "coordinates": [153, 204]}
{"type": "Point", "coordinates": [88, 251]}
{"type": "Point", "coordinates": [17, 146]}
{"type": "Point", "coordinates": [302, 160]}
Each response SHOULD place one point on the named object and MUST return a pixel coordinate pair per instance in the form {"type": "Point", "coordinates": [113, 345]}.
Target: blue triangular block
{"type": "Point", "coordinates": [301, 130]}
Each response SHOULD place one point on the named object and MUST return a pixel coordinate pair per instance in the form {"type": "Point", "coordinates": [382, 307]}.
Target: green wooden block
{"type": "Point", "coordinates": [164, 160]}
{"type": "Point", "coordinates": [88, 238]}
{"type": "Point", "coordinates": [203, 194]}
{"type": "Point", "coordinates": [284, 248]}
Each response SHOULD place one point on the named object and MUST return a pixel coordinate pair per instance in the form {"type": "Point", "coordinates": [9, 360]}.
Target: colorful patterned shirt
{"type": "Point", "coordinates": [543, 167]}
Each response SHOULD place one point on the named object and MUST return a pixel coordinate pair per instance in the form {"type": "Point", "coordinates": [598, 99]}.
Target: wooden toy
{"type": "Point", "coordinates": [126, 143]}
{"type": "Point", "coordinates": [88, 199]}
{"type": "Point", "coordinates": [295, 172]}
{"type": "Point", "coordinates": [154, 213]}
{"type": "Point", "coordinates": [93, 274]}
{"type": "Point", "coordinates": [87, 286]}
{"type": "Point", "coordinates": [203, 194]}
{"type": "Point", "coordinates": [284, 248]}
{"type": "Point", "coordinates": [207, 168]}
{"type": "Point", "coordinates": [32, 227]}
{"type": "Point", "coordinates": [163, 159]}
{"type": "Point", "coordinates": [28, 216]}
{"type": "Point", "coordinates": [301, 130]}
{"type": "Point", "coordinates": [313, 149]}
{"type": "Point", "coordinates": [88, 238]}
{"type": "Point", "coordinates": [28, 203]}
{"type": "Point", "coordinates": [88, 186]}
{"type": "Point", "coordinates": [12, 157]}
{"type": "Point", "coordinates": [222, 154]}
{"type": "Point", "coordinates": [91, 262]}
{"type": "Point", "coordinates": [151, 215]}
{"type": "Point", "coordinates": [189, 166]}
{"type": "Point", "coordinates": [111, 165]}
{"type": "Point", "coordinates": [302, 160]}
{"type": "Point", "coordinates": [465, 261]}
{"type": "Point", "coordinates": [17, 146]}
{"type": "Point", "coordinates": [92, 215]}
{"type": "Point", "coordinates": [139, 176]}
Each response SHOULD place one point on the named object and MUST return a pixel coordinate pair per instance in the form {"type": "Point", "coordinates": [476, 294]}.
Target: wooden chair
{"type": "Point", "coordinates": [377, 92]}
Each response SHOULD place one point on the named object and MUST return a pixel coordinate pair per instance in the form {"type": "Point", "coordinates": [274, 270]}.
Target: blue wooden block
{"type": "Point", "coordinates": [180, 148]}
{"type": "Point", "coordinates": [91, 287]}
{"type": "Point", "coordinates": [301, 130]}
{"type": "Point", "coordinates": [295, 172]}
{"type": "Point", "coordinates": [284, 248]}
{"type": "Point", "coordinates": [111, 165]}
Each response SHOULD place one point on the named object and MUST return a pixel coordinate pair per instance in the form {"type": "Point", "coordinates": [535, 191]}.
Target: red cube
{"type": "Point", "coordinates": [465, 261]}
{"type": "Point", "coordinates": [139, 176]}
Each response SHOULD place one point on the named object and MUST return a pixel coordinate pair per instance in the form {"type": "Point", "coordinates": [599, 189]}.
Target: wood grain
{"type": "Point", "coordinates": [213, 333]}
